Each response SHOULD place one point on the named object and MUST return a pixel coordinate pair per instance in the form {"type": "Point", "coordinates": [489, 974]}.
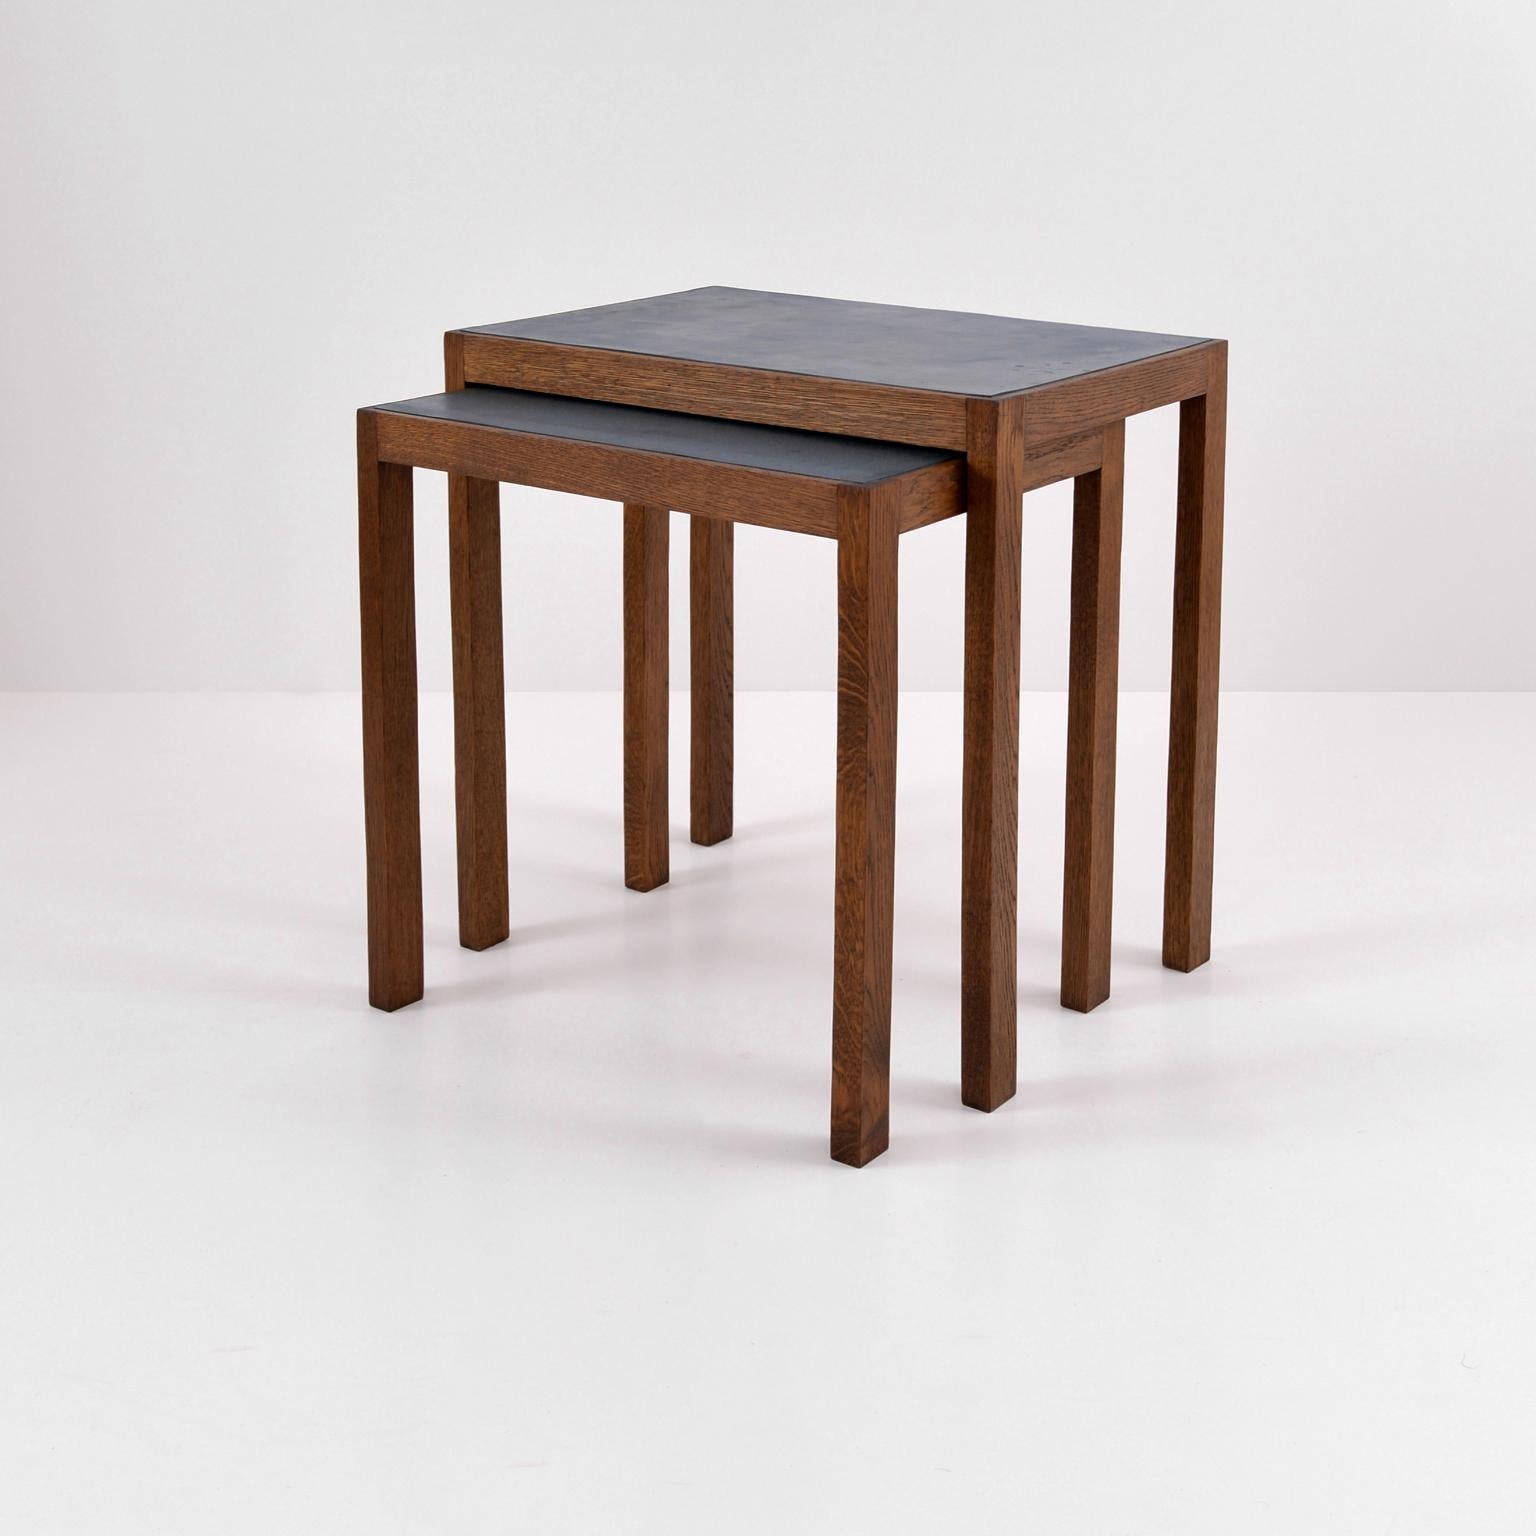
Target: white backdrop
{"type": "Point", "coordinates": [226, 226]}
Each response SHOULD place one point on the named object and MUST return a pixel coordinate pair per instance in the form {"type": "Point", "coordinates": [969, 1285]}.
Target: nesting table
{"type": "Point", "coordinates": [862, 493]}
{"type": "Point", "coordinates": [1027, 403]}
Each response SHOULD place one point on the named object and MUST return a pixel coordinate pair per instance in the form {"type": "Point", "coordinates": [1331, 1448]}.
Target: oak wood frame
{"type": "Point", "coordinates": [1014, 443]}
{"type": "Point", "coordinates": [712, 698]}
{"type": "Point", "coordinates": [930, 417]}
{"type": "Point", "coordinates": [799, 503]}
{"type": "Point", "coordinates": [1092, 697]}
{"type": "Point", "coordinates": [391, 776]}
{"type": "Point", "coordinates": [866, 521]}
{"type": "Point", "coordinates": [479, 710]}
{"type": "Point", "coordinates": [869, 521]}
{"type": "Point", "coordinates": [646, 862]}
{"type": "Point", "coordinates": [1190, 857]}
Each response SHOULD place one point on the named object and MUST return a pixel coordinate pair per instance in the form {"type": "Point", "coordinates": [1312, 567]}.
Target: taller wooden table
{"type": "Point", "coordinates": [1030, 403]}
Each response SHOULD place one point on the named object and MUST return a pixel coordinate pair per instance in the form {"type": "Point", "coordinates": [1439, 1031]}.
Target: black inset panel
{"type": "Point", "coordinates": [948, 351]}
{"type": "Point", "coordinates": [821, 455]}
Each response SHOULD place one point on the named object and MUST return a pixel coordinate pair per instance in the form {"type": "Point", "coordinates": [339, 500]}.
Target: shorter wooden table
{"type": "Point", "coordinates": [863, 494]}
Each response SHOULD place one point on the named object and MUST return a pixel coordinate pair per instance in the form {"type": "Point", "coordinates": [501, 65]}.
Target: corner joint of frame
{"type": "Point", "coordinates": [994, 422]}
{"type": "Point", "coordinates": [875, 506]}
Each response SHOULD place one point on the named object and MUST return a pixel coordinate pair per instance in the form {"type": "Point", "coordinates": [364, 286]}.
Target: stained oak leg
{"type": "Point", "coordinates": [1196, 667]}
{"type": "Point", "coordinates": [645, 697]}
{"type": "Point", "coordinates": [712, 699]}
{"type": "Point", "coordinates": [1092, 699]}
{"type": "Point", "coordinates": [866, 823]}
{"type": "Point", "coordinates": [990, 788]}
{"type": "Point", "coordinates": [479, 709]}
{"type": "Point", "coordinates": [390, 775]}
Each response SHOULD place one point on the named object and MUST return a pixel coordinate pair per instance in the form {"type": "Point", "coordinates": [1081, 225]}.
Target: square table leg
{"type": "Point", "coordinates": [990, 787]}
{"type": "Point", "coordinates": [391, 796]}
{"type": "Point", "coordinates": [1196, 667]}
{"type": "Point", "coordinates": [867, 537]}
{"type": "Point", "coordinates": [711, 699]}
{"type": "Point", "coordinates": [479, 709]}
{"type": "Point", "coordinates": [645, 697]}
{"type": "Point", "coordinates": [1091, 707]}
{"type": "Point", "coordinates": [479, 695]}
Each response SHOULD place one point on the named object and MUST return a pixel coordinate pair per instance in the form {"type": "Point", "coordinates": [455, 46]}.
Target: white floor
{"type": "Point", "coordinates": [561, 1250]}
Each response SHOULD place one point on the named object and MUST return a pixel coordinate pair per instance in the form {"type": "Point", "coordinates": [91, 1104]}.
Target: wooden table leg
{"type": "Point", "coordinates": [866, 822]}
{"type": "Point", "coordinates": [391, 799]}
{"type": "Point", "coordinates": [712, 697]}
{"type": "Point", "coordinates": [1196, 667]}
{"type": "Point", "coordinates": [1091, 705]}
{"type": "Point", "coordinates": [990, 790]}
{"type": "Point", "coordinates": [479, 696]}
{"type": "Point", "coordinates": [645, 697]}
{"type": "Point", "coordinates": [479, 709]}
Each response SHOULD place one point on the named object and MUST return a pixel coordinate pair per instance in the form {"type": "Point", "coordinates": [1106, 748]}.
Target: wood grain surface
{"type": "Point", "coordinates": [1063, 459]}
{"type": "Point", "coordinates": [1099, 399]}
{"type": "Point", "coordinates": [868, 532]}
{"type": "Point", "coordinates": [794, 502]}
{"type": "Point", "coordinates": [1190, 855]}
{"type": "Point", "coordinates": [645, 697]}
{"type": "Point", "coordinates": [1091, 709]}
{"type": "Point", "coordinates": [479, 709]}
{"type": "Point", "coordinates": [989, 854]}
{"type": "Point", "coordinates": [712, 694]}
{"type": "Point", "coordinates": [391, 797]}
{"type": "Point", "coordinates": [708, 389]}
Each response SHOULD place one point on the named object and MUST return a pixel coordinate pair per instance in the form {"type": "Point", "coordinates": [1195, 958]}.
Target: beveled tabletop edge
{"type": "Point", "coordinates": [915, 390]}
{"type": "Point", "coordinates": [496, 332]}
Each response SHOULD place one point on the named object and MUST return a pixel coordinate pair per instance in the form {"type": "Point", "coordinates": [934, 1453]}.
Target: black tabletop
{"type": "Point", "coordinates": [849, 460]}
{"type": "Point", "coordinates": [943, 350]}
